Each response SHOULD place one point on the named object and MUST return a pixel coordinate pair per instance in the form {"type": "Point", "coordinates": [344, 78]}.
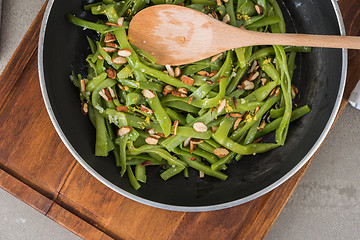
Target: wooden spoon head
{"type": "Point", "coordinates": [175, 35]}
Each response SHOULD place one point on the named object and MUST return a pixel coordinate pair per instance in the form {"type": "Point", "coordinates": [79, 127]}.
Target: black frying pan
{"type": "Point", "coordinates": [320, 77]}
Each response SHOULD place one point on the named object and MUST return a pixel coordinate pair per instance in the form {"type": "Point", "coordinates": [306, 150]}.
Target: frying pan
{"type": "Point", "coordinates": [320, 77]}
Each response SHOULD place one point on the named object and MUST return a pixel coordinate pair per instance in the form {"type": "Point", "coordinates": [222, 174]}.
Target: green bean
{"type": "Point", "coordinates": [132, 178]}
{"type": "Point", "coordinates": [171, 171]}
{"type": "Point", "coordinates": [140, 173]}
{"type": "Point", "coordinates": [175, 116]}
{"type": "Point", "coordinates": [160, 114]}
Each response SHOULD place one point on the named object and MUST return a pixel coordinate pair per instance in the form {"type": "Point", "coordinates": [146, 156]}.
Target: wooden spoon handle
{"type": "Point", "coordinates": [306, 40]}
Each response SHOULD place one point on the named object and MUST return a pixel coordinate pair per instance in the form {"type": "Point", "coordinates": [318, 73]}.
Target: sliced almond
{"type": "Point", "coordinates": [120, 21]}
{"type": "Point", "coordinates": [170, 70]}
{"type": "Point", "coordinates": [203, 73]}
{"type": "Point", "coordinates": [192, 158]}
{"type": "Point", "coordinates": [103, 95]}
{"type": "Point", "coordinates": [82, 85]}
{"type": "Point", "coordinates": [257, 140]}
{"type": "Point", "coordinates": [200, 127]}
{"type": "Point", "coordinates": [216, 57]}
{"type": "Point", "coordinates": [263, 81]}
{"type": "Point", "coordinates": [119, 60]}
{"type": "Point", "coordinates": [221, 152]}
{"type": "Point", "coordinates": [109, 49]}
{"type": "Point", "coordinates": [187, 80]}
{"type": "Point", "coordinates": [201, 174]}
{"type": "Point", "coordinates": [161, 135]}
{"type": "Point", "coordinates": [196, 141]}
{"type": "Point", "coordinates": [111, 24]}
{"type": "Point", "coordinates": [254, 76]}
{"type": "Point", "coordinates": [257, 109]}
{"type": "Point", "coordinates": [124, 52]}
{"type": "Point", "coordinates": [84, 108]}
{"type": "Point", "coordinates": [234, 99]}
{"type": "Point", "coordinates": [253, 66]}
{"type": "Point", "coordinates": [235, 115]}
{"type": "Point", "coordinates": [148, 93]}
{"type": "Point", "coordinates": [122, 108]}
{"type": "Point", "coordinates": [213, 13]}
{"type": "Point", "coordinates": [294, 91]}
{"type": "Point", "coordinates": [109, 37]}
{"type": "Point", "coordinates": [145, 109]}
{"type": "Point", "coordinates": [237, 122]}
{"type": "Point", "coordinates": [226, 19]}
{"type": "Point", "coordinates": [183, 90]}
{"type": "Point", "coordinates": [186, 142]}
{"type": "Point", "coordinates": [123, 131]}
{"type": "Point", "coordinates": [175, 126]}
{"type": "Point", "coordinates": [111, 73]}
{"type": "Point", "coordinates": [277, 92]}
{"type": "Point", "coordinates": [218, 2]}
{"type": "Point", "coordinates": [213, 73]}
{"type": "Point", "coordinates": [272, 93]}
{"type": "Point", "coordinates": [190, 99]}
{"type": "Point", "coordinates": [155, 136]}
{"type": "Point", "coordinates": [151, 140]}
{"type": "Point", "coordinates": [221, 105]}
{"type": "Point", "coordinates": [247, 85]}
{"type": "Point", "coordinates": [210, 82]}
{"type": "Point", "coordinates": [262, 125]}
{"type": "Point", "coordinates": [168, 89]}
{"type": "Point", "coordinates": [113, 45]}
{"type": "Point", "coordinates": [192, 147]}
{"type": "Point", "coordinates": [177, 72]}
{"type": "Point", "coordinates": [259, 9]}
{"type": "Point", "coordinates": [152, 131]}
{"type": "Point", "coordinates": [100, 57]}
{"type": "Point", "coordinates": [112, 93]}
{"type": "Point", "coordinates": [177, 93]}
{"type": "Point", "coordinates": [146, 163]}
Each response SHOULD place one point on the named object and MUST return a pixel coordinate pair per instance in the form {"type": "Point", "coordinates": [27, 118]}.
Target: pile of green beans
{"type": "Point", "coordinates": [202, 115]}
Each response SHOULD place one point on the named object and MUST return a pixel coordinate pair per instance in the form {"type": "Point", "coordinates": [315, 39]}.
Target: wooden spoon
{"type": "Point", "coordinates": [178, 35]}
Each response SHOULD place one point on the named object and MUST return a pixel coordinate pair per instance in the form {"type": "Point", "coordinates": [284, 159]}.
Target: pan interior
{"type": "Point", "coordinates": [318, 77]}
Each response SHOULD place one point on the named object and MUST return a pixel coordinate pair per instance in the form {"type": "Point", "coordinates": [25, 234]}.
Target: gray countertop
{"type": "Point", "coordinates": [325, 205]}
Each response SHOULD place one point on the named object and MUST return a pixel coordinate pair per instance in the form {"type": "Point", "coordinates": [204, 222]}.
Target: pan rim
{"type": "Point", "coordinates": [230, 204]}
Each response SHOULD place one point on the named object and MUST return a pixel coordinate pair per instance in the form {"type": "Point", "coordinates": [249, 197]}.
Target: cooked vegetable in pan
{"type": "Point", "coordinates": [202, 115]}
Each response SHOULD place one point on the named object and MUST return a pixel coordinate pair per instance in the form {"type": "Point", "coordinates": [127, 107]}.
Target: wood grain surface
{"type": "Point", "coordinates": [36, 167]}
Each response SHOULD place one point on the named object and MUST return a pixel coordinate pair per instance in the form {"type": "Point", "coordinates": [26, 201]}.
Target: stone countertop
{"type": "Point", "coordinates": [325, 205]}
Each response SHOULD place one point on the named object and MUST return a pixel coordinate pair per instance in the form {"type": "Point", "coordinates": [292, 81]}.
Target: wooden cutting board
{"type": "Point", "coordinates": [36, 167]}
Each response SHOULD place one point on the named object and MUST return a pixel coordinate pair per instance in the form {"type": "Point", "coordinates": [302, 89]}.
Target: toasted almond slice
{"type": "Point", "coordinates": [177, 72]}
{"type": "Point", "coordinates": [183, 90]}
{"type": "Point", "coordinates": [200, 127]}
{"type": "Point", "coordinates": [119, 60]}
{"type": "Point", "coordinates": [107, 93]}
{"type": "Point", "coordinates": [148, 93]}
{"type": "Point", "coordinates": [259, 9]}
{"type": "Point", "coordinates": [247, 85]}
{"type": "Point", "coordinates": [262, 125]}
{"type": "Point", "coordinates": [221, 105]}
{"type": "Point", "coordinates": [187, 80]}
{"type": "Point", "coordinates": [253, 66]}
{"type": "Point", "coordinates": [84, 108]}
{"type": "Point", "coordinates": [122, 108]}
{"type": "Point", "coordinates": [237, 122]}
{"type": "Point", "coordinates": [175, 126]}
{"type": "Point", "coordinates": [168, 89]}
{"type": "Point", "coordinates": [254, 76]}
{"type": "Point", "coordinates": [226, 1]}
{"type": "Point", "coordinates": [201, 174]}
{"type": "Point", "coordinates": [82, 85]}
{"type": "Point", "coordinates": [263, 81]}
{"type": "Point", "coordinates": [123, 131]}
{"type": "Point", "coordinates": [111, 73]}
{"type": "Point", "coordinates": [257, 109]}
{"type": "Point", "coordinates": [294, 91]}
{"type": "Point", "coordinates": [214, 128]}
{"type": "Point", "coordinates": [121, 87]}
{"type": "Point", "coordinates": [272, 93]}
{"type": "Point", "coordinates": [109, 37]}
{"type": "Point", "coordinates": [170, 70]}
{"type": "Point", "coordinates": [112, 93]}
{"type": "Point", "coordinates": [162, 135]}
{"type": "Point", "coordinates": [196, 141]}
{"type": "Point", "coordinates": [213, 13]}
{"type": "Point", "coordinates": [124, 52]}
{"type": "Point", "coordinates": [177, 93]}
{"type": "Point", "coordinates": [216, 57]}
{"type": "Point", "coordinates": [257, 140]}
{"type": "Point", "coordinates": [192, 147]}
{"type": "Point", "coordinates": [120, 21]}
{"type": "Point", "coordinates": [235, 115]}
{"type": "Point", "coordinates": [192, 158]}
{"type": "Point", "coordinates": [226, 19]}
{"type": "Point", "coordinates": [203, 73]}
{"type": "Point", "coordinates": [103, 95]}
{"type": "Point", "coordinates": [145, 109]}
{"type": "Point", "coordinates": [109, 49]}
{"type": "Point", "coordinates": [155, 136]}
{"type": "Point", "coordinates": [100, 57]}
{"type": "Point", "coordinates": [210, 82]}
{"type": "Point", "coordinates": [114, 45]}
{"type": "Point", "coordinates": [234, 99]}
{"type": "Point", "coordinates": [221, 152]}
{"type": "Point", "coordinates": [186, 142]}
{"type": "Point", "coordinates": [218, 2]}
{"type": "Point", "coordinates": [277, 92]}
{"type": "Point", "coordinates": [213, 73]}
{"type": "Point", "coordinates": [152, 131]}
{"type": "Point", "coordinates": [151, 140]}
